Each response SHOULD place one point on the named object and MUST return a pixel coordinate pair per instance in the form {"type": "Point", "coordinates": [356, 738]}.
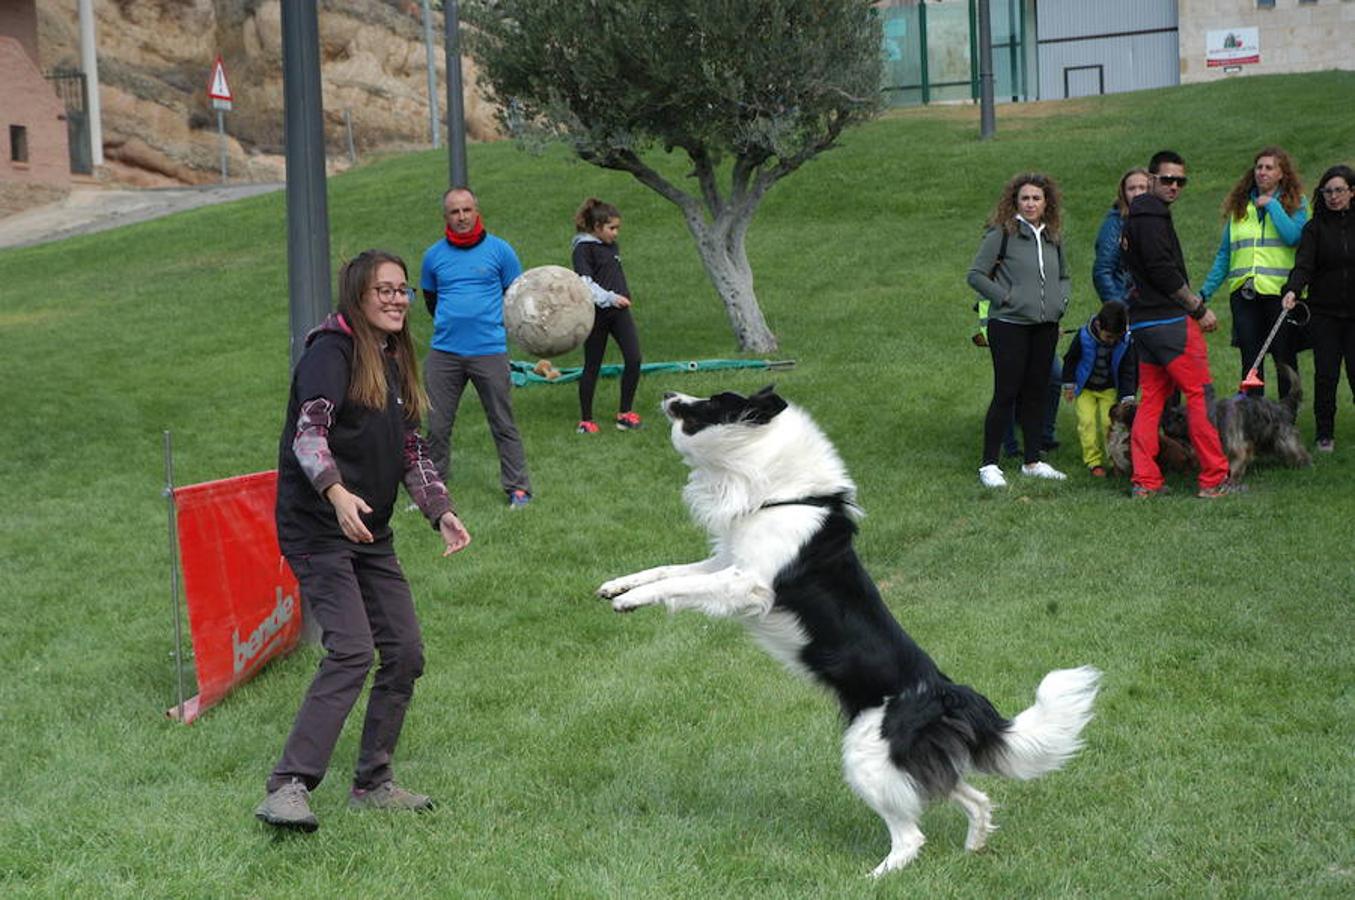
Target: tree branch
{"type": "Point", "coordinates": [628, 161]}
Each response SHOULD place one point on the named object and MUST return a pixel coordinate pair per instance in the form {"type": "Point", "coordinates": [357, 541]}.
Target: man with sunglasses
{"type": "Point", "coordinates": [1168, 320]}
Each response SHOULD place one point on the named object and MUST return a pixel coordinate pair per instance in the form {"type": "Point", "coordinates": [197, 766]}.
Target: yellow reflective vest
{"type": "Point", "coordinates": [1257, 252]}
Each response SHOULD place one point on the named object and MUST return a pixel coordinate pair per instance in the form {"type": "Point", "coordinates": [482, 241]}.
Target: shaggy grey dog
{"type": "Point", "coordinates": [1256, 426]}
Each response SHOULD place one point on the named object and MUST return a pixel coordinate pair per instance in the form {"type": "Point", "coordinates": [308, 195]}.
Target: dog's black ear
{"type": "Point", "coordinates": [765, 405]}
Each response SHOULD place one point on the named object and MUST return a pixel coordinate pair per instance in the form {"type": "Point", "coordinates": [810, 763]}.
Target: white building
{"type": "Point", "coordinates": [1052, 49]}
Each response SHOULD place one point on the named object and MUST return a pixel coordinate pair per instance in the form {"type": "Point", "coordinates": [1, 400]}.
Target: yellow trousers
{"type": "Point", "coordinates": [1093, 421]}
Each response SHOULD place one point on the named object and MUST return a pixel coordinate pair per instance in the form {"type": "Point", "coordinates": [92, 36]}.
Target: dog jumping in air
{"type": "Point", "coordinates": [781, 512]}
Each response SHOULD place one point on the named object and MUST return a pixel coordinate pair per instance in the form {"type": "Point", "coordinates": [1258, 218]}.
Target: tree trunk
{"type": "Point", "coordinates": [721, 246]}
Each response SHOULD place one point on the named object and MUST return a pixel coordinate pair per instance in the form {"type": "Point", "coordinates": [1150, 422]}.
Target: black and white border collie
{"type": "Point", "coordinates": [781, 512]}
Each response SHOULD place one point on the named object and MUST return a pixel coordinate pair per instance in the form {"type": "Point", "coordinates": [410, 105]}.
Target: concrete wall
{"type": "Point", "coordinates": [27, 99]}
{"type": "Point", "coordinates": [1294, 36]}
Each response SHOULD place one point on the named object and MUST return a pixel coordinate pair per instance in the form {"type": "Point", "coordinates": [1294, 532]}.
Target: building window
{"type": "Point", "coordinates": [18, 144]}
{"type": "Point", "coordinates": [1265, 4]}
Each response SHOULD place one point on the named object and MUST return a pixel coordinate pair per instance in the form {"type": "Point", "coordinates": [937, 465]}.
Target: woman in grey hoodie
{"type": "Point", "coordinates": [1021, 270]}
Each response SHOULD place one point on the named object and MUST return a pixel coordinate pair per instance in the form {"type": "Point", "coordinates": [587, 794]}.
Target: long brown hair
{"type": "Point", "coordinates": [367, 384]}
{"type": "Point", "coordinates": [1122, 199]}
{"type": "Point", "coordinates": [1004, 213]}
{"type": "Point", "coordinates": [1291, 187]}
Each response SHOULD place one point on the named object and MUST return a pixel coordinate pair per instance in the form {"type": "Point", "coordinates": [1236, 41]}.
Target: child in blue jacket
{"type": "Point", "coordinates": [1099, 370]}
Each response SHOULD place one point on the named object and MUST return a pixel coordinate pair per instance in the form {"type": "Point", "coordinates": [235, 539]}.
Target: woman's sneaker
{"type": "Point", "coordinates": [990, 476]}
{"type": "Point", "coordinates": [627, 421]}
{"type": "Point", "coordinates": [389, 795]}
{"type": "Point", "coordinates": [1326, 445]}
{"type": "Point", "coordinates": [288, 807]}
{"type": "Point", "coordinates": [586, 426]}
{"type": "Point", "coordinates": [1042, 470]}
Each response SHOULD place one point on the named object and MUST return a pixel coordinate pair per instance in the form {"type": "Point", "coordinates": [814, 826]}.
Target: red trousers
{"type": "Point", "coordinates": [1165, 366]}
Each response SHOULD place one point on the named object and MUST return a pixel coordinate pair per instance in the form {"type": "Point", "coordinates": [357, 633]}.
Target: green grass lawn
{"type": "Point", "coordinates": [579, 753]}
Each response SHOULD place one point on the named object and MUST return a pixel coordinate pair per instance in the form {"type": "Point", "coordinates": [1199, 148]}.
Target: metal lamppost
{"type": "Point", "coordinates": [307, 206]}
{"type": "Point", "coordinates": [434, 126]}
{"type": "Point", "coordinates": [987, 116]}
{"type": "Point", "coordinates": [456, 124]}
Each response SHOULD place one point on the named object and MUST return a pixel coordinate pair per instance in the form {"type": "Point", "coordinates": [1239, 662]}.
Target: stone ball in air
{"type": "Point", "coordinates": [548, 310]}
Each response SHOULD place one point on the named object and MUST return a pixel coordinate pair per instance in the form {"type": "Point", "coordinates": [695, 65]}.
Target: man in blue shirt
{"type": "Point", "coordinates": [464, 276]}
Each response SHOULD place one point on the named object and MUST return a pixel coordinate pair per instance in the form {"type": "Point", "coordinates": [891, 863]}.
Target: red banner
{"type": "Point", "coordinates": [244, 606]}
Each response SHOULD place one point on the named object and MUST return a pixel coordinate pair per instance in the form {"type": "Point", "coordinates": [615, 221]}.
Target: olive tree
{"type": "Point", "coordinates": [748, 90]}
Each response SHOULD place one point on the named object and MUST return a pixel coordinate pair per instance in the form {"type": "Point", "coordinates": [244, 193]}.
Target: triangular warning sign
{"type": "Point", "coordinates": [218, 89]}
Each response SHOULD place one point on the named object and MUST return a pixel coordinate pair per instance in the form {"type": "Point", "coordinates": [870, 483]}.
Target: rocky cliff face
{"type": "Point", "coordinates": [155, 58]}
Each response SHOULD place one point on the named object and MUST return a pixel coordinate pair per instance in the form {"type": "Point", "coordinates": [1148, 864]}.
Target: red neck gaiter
{"type": "Point", "coordinates": [470, 238]}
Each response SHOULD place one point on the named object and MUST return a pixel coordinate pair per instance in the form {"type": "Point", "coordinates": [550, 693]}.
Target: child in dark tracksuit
{"type": "Point", "coordinates": [597, 259]}
{"type": "Point", "coordinates": [1099, 370]}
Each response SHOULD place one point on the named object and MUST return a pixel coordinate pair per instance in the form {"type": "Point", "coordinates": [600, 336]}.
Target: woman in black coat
{"type": "Point", "coordinates": [1325, 265]}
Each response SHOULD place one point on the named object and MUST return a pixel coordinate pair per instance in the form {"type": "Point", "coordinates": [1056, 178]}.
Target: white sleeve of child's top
{"type": "Point", "coordinates": [602, 298]}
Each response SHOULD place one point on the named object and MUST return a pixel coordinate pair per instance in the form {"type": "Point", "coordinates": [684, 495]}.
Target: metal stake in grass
{"type": "Point", "coordinates": [174, 568]}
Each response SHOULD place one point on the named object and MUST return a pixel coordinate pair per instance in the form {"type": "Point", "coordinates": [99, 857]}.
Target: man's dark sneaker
{"type": "Point", "coordinates": [389, 796]}
{"type": "Point", "coordinates": [1223, 489]}
{"type": "Point", "coordinates": [288, 807]}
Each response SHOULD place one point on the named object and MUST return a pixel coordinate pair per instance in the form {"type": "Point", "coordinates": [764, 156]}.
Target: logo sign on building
{"type": "Point", "coordinates": [1232, 47]}
{"type": "Point", "coordinates": [217, 89]}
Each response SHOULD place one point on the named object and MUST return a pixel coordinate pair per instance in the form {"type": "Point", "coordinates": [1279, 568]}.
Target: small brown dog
{"type": "Point", "coordinates": [1173, 450]}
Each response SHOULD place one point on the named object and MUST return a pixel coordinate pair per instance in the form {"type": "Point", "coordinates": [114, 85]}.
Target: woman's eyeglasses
{"type": "Point", "coordinates": [1333, 191]}
{"type": "Point", "coordinates": [388, 293]}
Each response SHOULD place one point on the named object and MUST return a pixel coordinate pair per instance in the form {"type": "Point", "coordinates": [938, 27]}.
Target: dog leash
{"type": "Point", "coordinates": [1253, 377]}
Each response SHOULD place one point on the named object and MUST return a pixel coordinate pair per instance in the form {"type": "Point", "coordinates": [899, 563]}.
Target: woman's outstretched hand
{"type": "Point", "coordinates": [454, 534]}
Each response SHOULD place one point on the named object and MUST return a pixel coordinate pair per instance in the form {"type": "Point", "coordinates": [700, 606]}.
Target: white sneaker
{"type": "Point", "coordinates": [1042, 470]}
{"type": "Point", "coordinates": [990, 476]}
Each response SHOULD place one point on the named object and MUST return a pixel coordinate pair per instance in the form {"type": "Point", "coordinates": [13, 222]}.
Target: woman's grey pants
{"type": "Point", "coordinates": [363, 604]}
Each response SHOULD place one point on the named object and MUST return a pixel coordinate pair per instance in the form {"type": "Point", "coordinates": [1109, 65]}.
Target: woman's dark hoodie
{"type": "Point", "coordinates": [1325, 263]}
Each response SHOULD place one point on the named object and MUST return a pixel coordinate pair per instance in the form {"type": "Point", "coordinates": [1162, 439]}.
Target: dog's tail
{"type": "Point", "coordinates": [1045, 736]}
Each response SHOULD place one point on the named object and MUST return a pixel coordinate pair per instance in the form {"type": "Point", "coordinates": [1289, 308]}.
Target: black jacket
{"type": "Point", "coordinates": [600, 262]}
{"type": "Point", "coordinates": [1153, 257]}
{"type": "Point", "coordinates": [366, 447]}
{"type": "Point", "coordinates": [1325, 264]}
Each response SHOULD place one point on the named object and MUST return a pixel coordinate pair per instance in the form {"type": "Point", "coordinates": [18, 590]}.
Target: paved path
{"type": "Point", "coordinates": [87, 210]}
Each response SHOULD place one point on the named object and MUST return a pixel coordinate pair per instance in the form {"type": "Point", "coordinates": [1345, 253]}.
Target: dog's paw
{"type": "Point", "coordinates": [631, 601]}
{"type": "Point", "coordinates": [614, 588]}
